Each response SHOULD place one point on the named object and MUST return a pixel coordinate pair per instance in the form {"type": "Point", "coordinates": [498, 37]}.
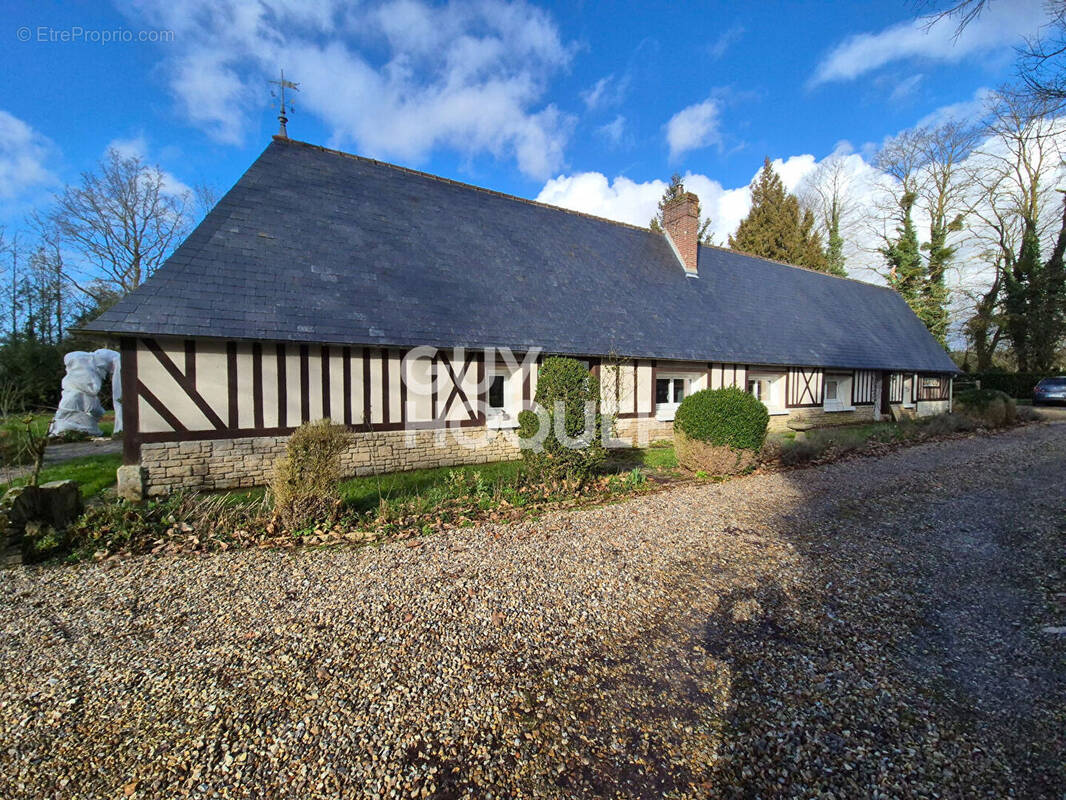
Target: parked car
{"type": "Point", "coordinates": [1050, 391]}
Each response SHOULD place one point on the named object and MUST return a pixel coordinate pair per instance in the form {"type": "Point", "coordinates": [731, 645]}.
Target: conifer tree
{"type": "Point", "coordinates": [907, 272]}
{"type": "Point", "coordinates": [1034, 293]}
{"type": "Point", "coordinates": [776, 227]}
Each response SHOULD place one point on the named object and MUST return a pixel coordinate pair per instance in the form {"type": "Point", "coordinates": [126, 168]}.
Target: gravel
{"type": "Point", "coordinates": [869, 628]}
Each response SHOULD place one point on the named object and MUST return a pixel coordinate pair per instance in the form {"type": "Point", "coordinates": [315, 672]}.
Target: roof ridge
{"type": "Point", "coordinates": [462, 184]}
{"type": "Point", "coordinates": [537, 203]}
{"type": "Point", "coordinates": [794, 266]}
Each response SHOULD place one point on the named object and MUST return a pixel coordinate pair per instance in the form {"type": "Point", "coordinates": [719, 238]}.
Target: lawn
{"type": "Point", "coordinates": [366, 494]}
{"type": "Point", "coordinates": [13, 435]}
{"type": "Point", "coordinates": [93, 474]}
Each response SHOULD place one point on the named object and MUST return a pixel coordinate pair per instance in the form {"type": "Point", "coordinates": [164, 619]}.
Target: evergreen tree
{"type": "Point", "coordinates": [1018, 297]}
{"type": "Point", "coordinates": [907, 272]}
{"type": "Point", "coordinates": [935, 292]}
{"type": "Point", "coordinates": [1033, 297]}
{"type": "Point", "coordinates": [675, 190]}
{"type": "Point", "coordinates": [834, 252]}
{"type": "Point", "coordinates": [776, 227]}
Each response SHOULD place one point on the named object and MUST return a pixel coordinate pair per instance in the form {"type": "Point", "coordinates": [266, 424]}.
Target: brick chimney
{"type": "Point", "coordinates": [681, 221]}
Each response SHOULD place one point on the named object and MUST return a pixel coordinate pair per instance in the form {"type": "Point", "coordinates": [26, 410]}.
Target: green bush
{"type": "Point", "coordinates": [724, 417]}
{"type": "Point", "coordinates": [305, 487]}
{"type": "Point", "coordinates": [569, 382]}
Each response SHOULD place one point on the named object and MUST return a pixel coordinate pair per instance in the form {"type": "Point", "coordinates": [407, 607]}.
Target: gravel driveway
{"type": "Point", "coordinates": [869, 628]}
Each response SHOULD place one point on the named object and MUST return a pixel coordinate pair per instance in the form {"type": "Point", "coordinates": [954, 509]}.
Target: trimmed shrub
{"type": "Point", "coordinates": [712, 459]}
{"type": "Point", "coordinates": [988, 406]}
{"type": "Point", "coordinates": [720, 431]}
{"type": "Point", "coordinates": [568, 382]}
{"type": "Point", "coordinates": [729, 417]}
{"type": "Point", "coordinates": [305, 484]}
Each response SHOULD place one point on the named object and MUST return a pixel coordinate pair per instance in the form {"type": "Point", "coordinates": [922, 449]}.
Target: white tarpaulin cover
{"type": "Point", "coordinates": [79, 407]}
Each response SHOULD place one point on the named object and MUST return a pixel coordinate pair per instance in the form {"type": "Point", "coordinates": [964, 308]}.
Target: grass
{"type": "Point", "coordinates": [364, 494]}
{"type": "Point", "coordinates": [13, 441]}
{"type": "Point", "coordinates": [93, 474]}
{"type": "Point", "coordinates": [485, 485]}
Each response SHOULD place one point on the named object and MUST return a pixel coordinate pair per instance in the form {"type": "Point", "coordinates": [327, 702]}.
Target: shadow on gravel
{"type": "Point", "coordinates": [907, 657]}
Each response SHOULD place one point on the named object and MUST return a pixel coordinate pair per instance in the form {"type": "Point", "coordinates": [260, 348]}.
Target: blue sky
{"type": "Point", "coordinates": [586, 105]}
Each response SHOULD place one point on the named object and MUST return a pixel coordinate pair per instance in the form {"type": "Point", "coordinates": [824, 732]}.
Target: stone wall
{"type": "Point", "coordinates": [247, 462]}
{"type": "Point", "coordinates": [642, 431]}
{"type": "Point", "coordinates": [821, 418]}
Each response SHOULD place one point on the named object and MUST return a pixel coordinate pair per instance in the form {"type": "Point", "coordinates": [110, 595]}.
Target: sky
{"type": "Point", "coordinates": [586, 105]}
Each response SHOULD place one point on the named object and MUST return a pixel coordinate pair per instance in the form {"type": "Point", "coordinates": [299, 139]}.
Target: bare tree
{"type": "Point", "coordinates": [828, 194]}
{"type": "Point", "coordinates": [926, 168]}
{"type": "Point", "coordinates": [11, 248]}
{"type": "Point", "coordinates": [1013, 177]}
{"type": "Point", "coordinates": [120, 223]}
{"type": "Point", "coordinates": [1041, 59]}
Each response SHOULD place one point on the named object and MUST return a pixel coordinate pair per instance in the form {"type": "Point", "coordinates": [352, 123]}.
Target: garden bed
{"type": "Point", "coordinates": [408, 505]}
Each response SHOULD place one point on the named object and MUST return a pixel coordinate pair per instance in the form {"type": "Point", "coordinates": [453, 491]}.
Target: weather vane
{"type": "Point", "coordinates": [283, 85]}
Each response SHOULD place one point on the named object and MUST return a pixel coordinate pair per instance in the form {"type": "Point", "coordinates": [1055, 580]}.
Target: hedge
{"type": "Point", "coordinates": [1017, 384]}
{"type": "Point", "coordinates": [729, 417]}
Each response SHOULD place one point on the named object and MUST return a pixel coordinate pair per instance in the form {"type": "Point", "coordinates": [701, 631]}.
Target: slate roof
{"type": "Point", "coordinates": [313, 245]}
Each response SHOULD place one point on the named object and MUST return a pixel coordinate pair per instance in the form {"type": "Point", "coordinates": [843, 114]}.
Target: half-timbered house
{"type": "Point", "coordinates": [414, 310]}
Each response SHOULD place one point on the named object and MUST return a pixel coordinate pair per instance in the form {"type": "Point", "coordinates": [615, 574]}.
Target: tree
{"type": "Point", "coordinates": [906, 269]}
{"type": "Point", "coordinates": [1041, 61]}
{"type": "Point", "coordinates": [827, 193]}
{"type": "Point", "coordinates": [120, 222]}
{"type": "Point", "coordinates": [1034, 293]}
{"type": "Point", "coordinates": [675, 190]}
{"type": "Point", "coordinates": [926, 168]}
{"type": "Point", "coordinates": [776, 227]}
{"type": "Point", "coordinates": [1013, 175]}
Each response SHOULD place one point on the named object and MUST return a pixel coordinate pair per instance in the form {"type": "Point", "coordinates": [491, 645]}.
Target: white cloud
{"type": "Point", "coordinates": [725, 39]}
{"type": "Point", "coordinates": [607, 92]}
{"type": "Point", "coordinates": [625, 200]}
{"type": "Point", "coordinates": [614, 131]}
{"type": "Point", "coordinates": [693, 127]}
{"type": "Point", "coordinates": [138, 147]}
{"type": "Point", "coordinates": [905, 88]}
{"type": "Point", "coordinates": [23, 156]}
{"type": "Point", "coordinates": [963, 111]}
{"type": "Point", "coordinates": [394, 80]}
{"type": "Point", "coordinates": [1000, 26]}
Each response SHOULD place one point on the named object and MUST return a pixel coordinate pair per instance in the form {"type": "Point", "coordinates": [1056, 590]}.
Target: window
{"type": "Point", "coordinates": [836, 392]}
{"type": "Point", "coordinates": [769, 388]}
{"type": "Point", "coordinates": [670, 390]}
{"type": "Point", "coordinates": [496, 392]}
{"type": "Point", "coordinates": [502, 411]}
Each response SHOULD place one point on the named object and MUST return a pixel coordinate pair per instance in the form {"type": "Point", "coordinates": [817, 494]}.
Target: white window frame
{"type": "Point", "coordinates": [664, 412]}
{"type": "Point", "coordinates": [506, 417]}
{"type": "Point", "coordinates": [775, 399]}
{"type": "Point", "coordinates": [842, 402]}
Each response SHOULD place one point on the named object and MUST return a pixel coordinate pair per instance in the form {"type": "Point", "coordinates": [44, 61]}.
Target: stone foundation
{"type": "Point", "coordinates": [243, 463]}
{"type": "Point", "coordinates": [820, 418]}
{"type": "Point", "coordinates": [642, 431]}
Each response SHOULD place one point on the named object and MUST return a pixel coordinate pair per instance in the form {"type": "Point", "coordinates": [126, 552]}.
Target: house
{"type": "Point", "coordinates": [415, 309]}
